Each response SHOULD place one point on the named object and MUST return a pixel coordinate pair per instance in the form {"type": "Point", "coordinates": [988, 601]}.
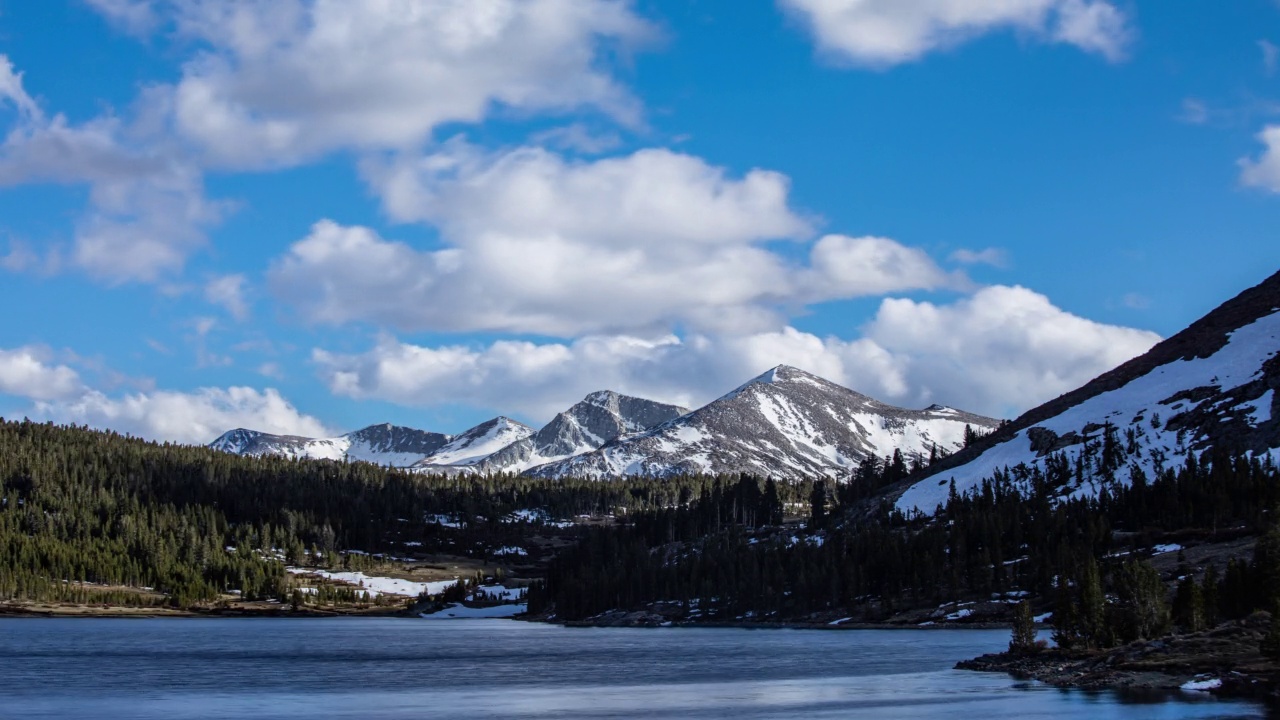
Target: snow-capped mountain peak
{"type": "Point", "coordinates": [478, 443]}
{"type": "Point", "coordinates": [597, 419]}
{"type": "Point", "coordinates": [785, 423]}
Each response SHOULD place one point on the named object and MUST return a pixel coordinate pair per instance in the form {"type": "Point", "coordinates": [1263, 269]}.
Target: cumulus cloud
{"type": "Point", "coordinates": [228, 292]}
{"type": "Point", "coordinates": [58, 393]}
{"type": "Point", "coordinates": [186, 417]}
{"type": "Point", "coordinates": [1264, 170]}
{"type": "Point", "coordinates": [282, 81]}
{"type": "Point", "coordinates": [147, 209]}
{"type": "Point", "coordinates": [881, 33]}
{"type": "Point", "coordinates": [273, 83]}
{"type": "Point", "coordinates": [999, 352]}
{"type": "Point", "coordinates": [535, 243]}
{"type": "Point", "coordinates": [1004, 347]}
{"type": "Point", "coordinates": [28, 372]}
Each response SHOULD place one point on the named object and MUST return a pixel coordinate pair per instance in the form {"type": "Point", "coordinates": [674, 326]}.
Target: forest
{"type": "Point", "coordinates": [87, 515]}
{"type": "Point", "coordinates": [91, 513]}
{"type": "Point", "coordinates": [1012, 537]}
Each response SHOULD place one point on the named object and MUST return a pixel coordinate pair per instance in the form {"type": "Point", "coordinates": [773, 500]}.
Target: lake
{"type": "Point", "coordinates": [409, 668]}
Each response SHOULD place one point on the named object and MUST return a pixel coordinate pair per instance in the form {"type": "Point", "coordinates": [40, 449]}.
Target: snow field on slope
{"type": "Point", "coordinates": [1233, 365]}
{"type": "Point", "coordinates": [377, 585]}
{"type": "Point", "coordinates": [461, 452]}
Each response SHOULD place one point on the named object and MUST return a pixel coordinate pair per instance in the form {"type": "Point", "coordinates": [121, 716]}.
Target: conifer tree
{"type": "Point", "coordinates": [1024, 630]}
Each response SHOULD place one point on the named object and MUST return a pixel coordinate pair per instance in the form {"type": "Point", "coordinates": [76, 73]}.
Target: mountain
{"type": "Point", "coordinates": [382, 444]}
{"type": "Point", "coordinates": [386, 444]}
{"type": "Point", "coordinates": [785, 423]}
{"type": "Point", "coordinates": [1211, 386]}
{"type": "Point", "coordinates": [477, 443]}
{"type": "Point", "coordinates": [599, 418]}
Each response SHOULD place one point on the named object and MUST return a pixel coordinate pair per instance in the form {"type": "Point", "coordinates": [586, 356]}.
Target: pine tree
{"type": "Point", "coordinates": [1093, 607]}
{"type": "Point", "coordinates": [818, 505]}
{"type": "Point", "coordinates": [1188, 604]}
{"type": "Point", "coordinates": [1024, 630]}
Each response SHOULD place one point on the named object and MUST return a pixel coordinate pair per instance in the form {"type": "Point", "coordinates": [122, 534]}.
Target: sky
{"type": "Point", "coordinates": [310, 216]}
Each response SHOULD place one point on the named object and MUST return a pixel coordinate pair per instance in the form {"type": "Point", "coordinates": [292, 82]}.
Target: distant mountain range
{"type": "Point", "coordinates": [786, 424]}
{"type": "Point", "coordinates": [1212, 386]}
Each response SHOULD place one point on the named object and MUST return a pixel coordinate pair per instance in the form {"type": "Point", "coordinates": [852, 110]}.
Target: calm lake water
{"type": "Point", "coordinates": [406, 668]}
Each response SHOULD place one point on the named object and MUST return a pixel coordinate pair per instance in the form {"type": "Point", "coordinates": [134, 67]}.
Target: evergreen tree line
{"type": "Point", "coordinates": [1015, 532]}
{"type": "Point", "coordinates": [80, 508]}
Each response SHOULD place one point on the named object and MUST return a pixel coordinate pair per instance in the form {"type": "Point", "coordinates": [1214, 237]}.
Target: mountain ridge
{"type": "Point", "coordinates": [784, 423]}
{"type": "Point", "coordinates": [1162, 399]}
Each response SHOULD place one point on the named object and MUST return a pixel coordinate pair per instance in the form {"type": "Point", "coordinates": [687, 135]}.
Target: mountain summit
{"type": "Point", "coordinates": [599, 418]}
{"type": "Point", "coordinates": [785, 423]}
{"type": "Point", "coordinates": [384, 444]}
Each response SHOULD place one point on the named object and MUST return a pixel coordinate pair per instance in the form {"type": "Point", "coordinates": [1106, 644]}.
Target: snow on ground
{"type": "Point", "coordinates": [535, 515]}
{"type": "Point", "coordinates": [511, 550]}
{"type": "Point", "coordinates": [1235, 364]}
{"type": "Point", "coordinates": [1042, 618]}
{"type": "Point", "coordinates": [1162, 549]}
{"type": "Point", "coordinates": [462, 612]}
{"type": "Point", "coordinates": [449, 521]}
{"type": "Point", "coordinates": [1202, 685]}
{"type": "Point", "coordinates": [468, 448]}
{"type": "Point", "coordinates": [1260, 409]}
{"type": "Point", "coordinates": [376, 585]}
{"type": "Point", "coordinates": [501, 593]}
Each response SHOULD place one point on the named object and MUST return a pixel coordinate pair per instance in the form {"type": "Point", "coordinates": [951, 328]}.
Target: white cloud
{"type": "Point", "coordinates": [147, 211]}
{"type": "Point", "coordinates": [277, 82]}
{"type": "Point", "coordinates": [1194, 111]}
{"type": "Point", "coordinates": [1000, 351]}
{"type": "Point", "coordinates": [282, 81]}
{"type": "Point", "coordinates": [137, 17]}
{"type": "Point", "coordinates": [1004, 347]}
{"type": "Point", "coordinates": [577, 137]}
{"type": "Point", "coordinates": [537, 244]}
{"type": "Point", "coordinates": [881, 33]}
{"type": "Point", "coordinates": [194, 417]}
{"type": "Point", "coordinates": [11, 89]}
{"type": "Point", "coordinates": [27, 372]}
{"type": "Point", "coordinates": [59, 394]}
{"type": "Point", "coordinates": [1270, 56]}
{"type": "Point", "coordinates": [1264, 171]}
{"type": "Point", "coordinates": [228, 292]}
{"type": "Point", "coordinates": [994, 257]}
{"type": "Point", "coordinates": [144, 229]}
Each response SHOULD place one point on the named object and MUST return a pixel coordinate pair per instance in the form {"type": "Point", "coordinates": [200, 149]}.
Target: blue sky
{"type": "Point", "coordinates": [313, 216]}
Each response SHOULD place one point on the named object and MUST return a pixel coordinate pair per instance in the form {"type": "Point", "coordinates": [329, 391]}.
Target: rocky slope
{"type": "Point", "coordinates": [1213, 385]}
{"type": "Point", "coordinates": [388, 445]}
{"type": "Point", "coordinates": [476, 444]}
{"type": "Point", "coordinates": [598, 419]}
{"type": "Point", "coordinates": [786, 423]}
{"type": "Point", "coordinates": [385, 444]}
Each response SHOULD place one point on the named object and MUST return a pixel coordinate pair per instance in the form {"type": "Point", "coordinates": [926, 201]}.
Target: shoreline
{"type": "Point", "coordinates": [1224, 661]}
{"type": "Point", "coordinates": [49, 610]}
